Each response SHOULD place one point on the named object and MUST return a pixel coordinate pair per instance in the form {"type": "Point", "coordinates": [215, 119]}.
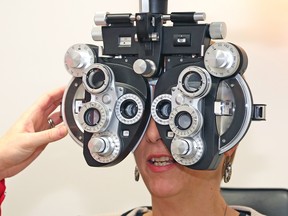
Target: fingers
{"type": "Point", "coordinates": [52, 100]}
{"type": "Point", "coordinates": [39, 112]}
{"type": "Point", "coordinates": [56, 118]}
{"type": "Point", "coordinates": [47, 136]}
{"type": "Point", "coordinates": [49, 102]}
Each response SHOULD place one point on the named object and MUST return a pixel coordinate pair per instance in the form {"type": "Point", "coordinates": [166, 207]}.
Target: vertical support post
{"type": "Point", "coordinates": [153, 6]}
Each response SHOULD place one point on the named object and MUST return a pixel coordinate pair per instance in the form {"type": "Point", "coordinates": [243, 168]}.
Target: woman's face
{"type": "Point", "coordinates": [161, 174]}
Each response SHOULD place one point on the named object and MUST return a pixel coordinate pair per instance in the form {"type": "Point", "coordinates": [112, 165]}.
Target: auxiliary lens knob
{"type": "Point", "coordinates": [183, 148]}
{"type": "Point", "coordinates": [101, 146]}
{"type": "Point", "coordinates": [145, 67]}
{"type": "Point", "coordinates": [224, 59]}
{"type": "Point", "coordinates": [217, 30]}
{"type": "Point", "coordinates": [187, 151]}
{"type": "Point", "coordinates": [78, 58]}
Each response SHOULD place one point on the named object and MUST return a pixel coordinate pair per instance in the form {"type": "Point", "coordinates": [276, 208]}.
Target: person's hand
{"type": "Point", "coordinates": [28, 137]}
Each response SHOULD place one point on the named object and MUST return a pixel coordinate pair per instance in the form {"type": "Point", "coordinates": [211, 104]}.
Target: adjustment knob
{"type": "Point", "coordinates": [225, 59]}
{"type": "Point", "coordinates": [183, 148]}
{"type": "Point", "coordinates": [145, 67]}
{"type": "Point", "coordinates": [199, 16]}
{"type": "Point", "coordinates": [222, 59]}
{"type": "Point", "coordinates": [187, 151]}
{"type": "Point", "coordinates": [100, 19]}
{"type": "Point", "coordinates": [100, 145]}
{"type": "Point", "coordinates": [78, 58]}
{"type": "Point", "coordinates": [217, 30]}
{"type": "Point", "coordinates": [73, 59]}
{"type": "Point", "coordinates": [96, 33]}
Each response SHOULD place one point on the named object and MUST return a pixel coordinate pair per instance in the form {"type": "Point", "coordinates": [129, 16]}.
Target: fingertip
{"type": "Point", "coordinates": [50, 135]}
{"type": "Point", "coordinates": [63, 131]}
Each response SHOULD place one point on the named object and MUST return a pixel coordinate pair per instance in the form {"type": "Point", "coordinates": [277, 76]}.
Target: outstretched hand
{"type": "Point", "coordinates": [29, 136]}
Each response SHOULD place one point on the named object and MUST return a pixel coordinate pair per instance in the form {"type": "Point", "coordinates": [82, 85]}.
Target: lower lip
{"type": "Point", "coordinates": [154, 168]}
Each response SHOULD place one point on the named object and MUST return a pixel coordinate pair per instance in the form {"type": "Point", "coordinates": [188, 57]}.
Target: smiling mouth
{"type": "Point", "coordinates": [161, 161]}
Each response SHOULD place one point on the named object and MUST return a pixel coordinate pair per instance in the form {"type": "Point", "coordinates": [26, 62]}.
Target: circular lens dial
{"type": "Point", "coordinates": [93, 117]}
{"type": "Point", "coordinates": [187, 151]}
{"type": "Point", "coordinates": [77, 58]}
{"type": "Point", "coordinates": [222, 59]}
{"type": "Point", "coordinates": [129, 109]}
{"type": "Point", "coordinates": [97, 78]}
{"type": "Point", "coordinates": [104, 147]}
{"type": "Point", "coordinates": [194, 82]}
{"type": "Point", "coordinates": [161, 109]}
{"type": "Point", "coordinates": [185, 121]}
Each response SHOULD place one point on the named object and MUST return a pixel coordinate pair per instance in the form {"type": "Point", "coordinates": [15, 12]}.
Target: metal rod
{"type": "Point", "coordinates": [153, 6]}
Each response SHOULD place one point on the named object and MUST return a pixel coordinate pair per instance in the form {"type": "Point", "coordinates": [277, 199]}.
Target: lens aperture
{"type": "Point", "coordinates": [129, 109]}
{"type": "Point", "coordinates": [92, 117]}
{"type": "Point", "coordinates": [183, 120]}
{"type": "Point", "coordinates": [95, 78]}
{"type": "Point", "coordinates": [163, 109]}
{"type": "Point", "coordinates": [192, 82]}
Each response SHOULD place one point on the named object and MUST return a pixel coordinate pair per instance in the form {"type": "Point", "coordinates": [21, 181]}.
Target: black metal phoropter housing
{"type": "Point", "coordinates": [199, 99]}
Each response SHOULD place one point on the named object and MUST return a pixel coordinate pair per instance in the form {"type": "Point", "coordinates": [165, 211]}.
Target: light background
{"type": "Point", "coordinates": [34, 36]}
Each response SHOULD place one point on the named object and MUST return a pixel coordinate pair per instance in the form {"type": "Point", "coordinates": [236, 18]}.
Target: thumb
{"type": "Point", "coordinates": [47, 136]}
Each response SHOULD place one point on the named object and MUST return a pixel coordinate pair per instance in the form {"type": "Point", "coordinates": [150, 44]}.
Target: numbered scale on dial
{"type": "Point", "coordinates": [77, 58]}
{"type": "Point", "coordinates": [225, 59]}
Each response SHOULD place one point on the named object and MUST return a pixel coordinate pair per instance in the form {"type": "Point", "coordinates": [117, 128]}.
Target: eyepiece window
{"type": "Point", "coordinates": [192, 82]}
{"type": "Point", "coordinates": [129, 109]}
{"type": "Point", "coordinates": [95, 78]}
{"type": "Point", "coordinates": [183, 120]}
{"type": "Point", "coordinates": [163, 109]}
{"type": "Point", "coordinates": [92, 117]}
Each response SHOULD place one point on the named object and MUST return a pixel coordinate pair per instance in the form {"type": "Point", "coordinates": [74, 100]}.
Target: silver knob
{"type": "Point", "coordinates": [199, 16]}
{"type": "Point", "coordinates": [77, 58]}
{"type": "Point", "coordinates": [145, 67]}
{"type": "Point", "coordinates": [74, 59]}
{"type": "Point", "coordinates": [100, 145]}
{"type": "Point", "coordinates": [96, 33]}
{"type": "Point", "coordinates": [183, 148]}
{"type": "Point", "coordinates": [217, 30]}
{"type": "Point", "coordinates": [222, 59]}
{"type": "Point", "coordinates": [100, 19]}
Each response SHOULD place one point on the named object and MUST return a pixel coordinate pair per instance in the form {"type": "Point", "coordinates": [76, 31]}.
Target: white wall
{"type": "Point", "coordinates": [34, 36]}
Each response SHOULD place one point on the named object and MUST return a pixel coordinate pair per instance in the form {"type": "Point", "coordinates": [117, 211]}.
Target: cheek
{"type": "Point", "coordinates": [139, 155]}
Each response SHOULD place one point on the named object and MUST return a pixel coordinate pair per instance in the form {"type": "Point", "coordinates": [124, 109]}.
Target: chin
{"type": "Point", "coordinates": [163, 187]}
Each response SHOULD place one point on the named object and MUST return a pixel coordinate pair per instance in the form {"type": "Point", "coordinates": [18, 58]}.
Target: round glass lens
{"type": "Point", "coordinates": [183, 120]}
{"type": "Point", "coordinates": [92, 117]}
{"type": "Point", "coordinates": [163, 109]}
{"type": "Point", "coordinates": [95, 78]}
{"type": "Point", "coordinates": [192, 82]}
{"type": "Point", "coordinates": [129, 109]}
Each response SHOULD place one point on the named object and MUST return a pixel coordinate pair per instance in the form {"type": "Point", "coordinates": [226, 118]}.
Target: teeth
{"type": "Point", "coordinates": [161, 161]}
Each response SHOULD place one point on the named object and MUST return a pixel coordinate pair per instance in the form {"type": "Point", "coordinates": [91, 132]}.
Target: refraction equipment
{"type": "Point", "coordinates": [162, 65]}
